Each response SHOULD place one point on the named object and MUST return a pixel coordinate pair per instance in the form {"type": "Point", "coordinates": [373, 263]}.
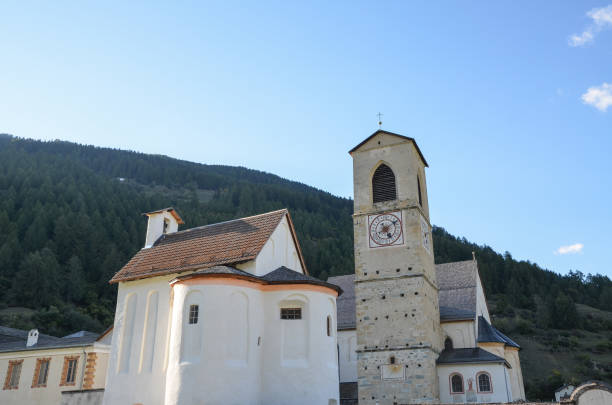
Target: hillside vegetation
{"type": "Point", "coordinates": [70, 218]}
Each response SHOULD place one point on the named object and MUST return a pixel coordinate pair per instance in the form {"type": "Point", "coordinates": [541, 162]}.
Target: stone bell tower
{"type": "Point", "coordinates": [398, 318]}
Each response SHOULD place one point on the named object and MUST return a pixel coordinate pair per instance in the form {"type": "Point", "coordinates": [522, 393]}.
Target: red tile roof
{"type": "Point", "coordinates": [224, 243]}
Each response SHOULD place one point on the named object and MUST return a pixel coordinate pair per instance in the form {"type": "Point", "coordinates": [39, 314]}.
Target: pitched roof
{"type": "Point", "coordinates": [224, 243]}
{"type": "Point", "coordinates": [380, 131]}
{"type": "Point", "coordinates": [14, 340]}
{"type": "Point", "coordinates": [469, 355]}
{"type": "Point", "coordinates": [345, 304]}
{"type": "Point", "coordinates": [488, 333]}
{"type": "Point", "coordinates": [281, 275]}
{"type": "Point", "coordinates": [457, 283]}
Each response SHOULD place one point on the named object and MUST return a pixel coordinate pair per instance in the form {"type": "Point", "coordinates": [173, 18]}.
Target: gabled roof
{"type": "Point", "coordinates": [280, 276]}
{"type": "Point", "coordinates": [469, 355]}
{"type": "Point", "coordinates": [457, 283]}
{"type": "Point", "coordinates": [407, 138]}
{"type": "Point", "coordinates": [487, 333]}
{"type": "Point", "coordinates": [224, 243]}
{"type": "Point", "coordinates": [170, 210]}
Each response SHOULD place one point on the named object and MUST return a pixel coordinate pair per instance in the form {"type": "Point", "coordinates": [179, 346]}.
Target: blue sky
{"type": "Point", "coordinates": [511, 102]}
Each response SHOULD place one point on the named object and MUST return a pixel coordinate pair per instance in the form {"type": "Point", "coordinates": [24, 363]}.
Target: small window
{"type": "Point", "coordinates": [448, 344]}
{"type": "Point", "coordinates": [13, 374]}
{"type": "Point", "coordinates": [42, 372]}
{"type": "Point", "coordinates": [392, 360]}
{"type": "Point", "coordinates": [329, 326]}
{"type": "Point", "coordinates": [193, 314]}
{"type": "Point", "coordinates": [456, 384]}
{"type": "Point", "coordinates": [484, 382]}
{"type": "Point", "coordinates": [70, 369]}
{"type": "Point", "coordinates": [291, 313]}
{"type": "Point", "coordinates": [419, 189]}
{"type": "Point", "coordinates": [166, 225]}
{"type": "Point", "coordinates": [383, 184]}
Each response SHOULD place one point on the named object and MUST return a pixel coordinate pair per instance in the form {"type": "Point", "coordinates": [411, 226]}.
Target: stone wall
{"type": "Point", "coordinates": [82, 397]}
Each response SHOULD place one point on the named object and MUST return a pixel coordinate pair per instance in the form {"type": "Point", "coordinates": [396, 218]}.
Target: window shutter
{"type": "Point", "coordinates": [383, 184]}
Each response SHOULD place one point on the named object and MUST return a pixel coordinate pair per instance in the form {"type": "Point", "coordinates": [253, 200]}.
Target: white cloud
{"type": "Point", "coordinates": [599, 97]}
{"type": "Point", "coordinates": [571, 249]}
{"type": "Point", "coordinates": [602, 19]}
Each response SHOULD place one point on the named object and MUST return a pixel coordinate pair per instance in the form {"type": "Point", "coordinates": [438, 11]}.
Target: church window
{"type": "Point", "coordinates": [484, 382]}
{"type": "Point", "coordinates": [13, 374]}
{"type": "Point", "coordinates": [392, 360]}
{"type": "Point", "coordinates": [456, 381]}
{"type": "Point", "coordinates": [193, 314]}
{"type": "Point", "coordinates": [329, 326]}
{"type": "Point", "coordinates": [419, 189]}
{"type": "Point", "coordinates": [448, 344]}
{"type": "Point", "coordinates": [291, 313]}
{"type": "Point", "coordinates": [166, 225]}
{"type": "Point", "coordinates": [383, 184]}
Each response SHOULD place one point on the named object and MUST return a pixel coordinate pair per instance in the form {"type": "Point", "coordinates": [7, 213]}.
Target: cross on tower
{"type": "Point", "coordinates": [379, 119]}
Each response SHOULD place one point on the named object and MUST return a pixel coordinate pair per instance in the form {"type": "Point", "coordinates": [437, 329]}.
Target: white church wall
{"type": "Point", "coordinates": [142, 380]}
{"type": "Point", "coordinates": [516, 374]}
{"type": "Point", "coordinates": [347, 355]}
{"type": "Point", "coordinates": [279, 250]}
{"type": "Point", "coordinates": [461, 333]}
{"type": "Point", "coordinates": [227, 366]}
{"type": "Point", "coordinates": [306, 386]}
{"type": "Point", "coordinates": [499, 382]}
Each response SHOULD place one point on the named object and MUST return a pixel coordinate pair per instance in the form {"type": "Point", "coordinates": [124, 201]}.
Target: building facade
{"type": "Point", "coordinates": [224, 313]}
{"type": "Point", "coordinates": [38, 368]}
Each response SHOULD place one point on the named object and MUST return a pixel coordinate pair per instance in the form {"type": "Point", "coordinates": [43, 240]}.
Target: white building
{"type": "Point", "coordinates": [222, 314]}
{"type": "Point", "coordinates": [38, 368]}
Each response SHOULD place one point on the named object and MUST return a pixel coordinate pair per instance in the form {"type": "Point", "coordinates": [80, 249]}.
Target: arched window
{"type": "Point", "coordinates": [484, 382]}
{"type": "Point", "coordinates": [456, 384]}
{"type": "Point", "coordinates": [383, 184]}
{"type": "Point", "coordinates": [419, 189]}
{"type": "Point", "coordinates": [329, 326]}
{"type": "Point", "coordinates": [448, 344]}
{"type": "Point", "coordinates": [392, 360]}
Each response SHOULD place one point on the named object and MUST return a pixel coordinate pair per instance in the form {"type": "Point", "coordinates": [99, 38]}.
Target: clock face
{"type": "Point", "coordinates": [385, 229]}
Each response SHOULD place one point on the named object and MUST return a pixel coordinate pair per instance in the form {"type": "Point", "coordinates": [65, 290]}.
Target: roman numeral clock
{"type": "Point", "coordinates": [385, 229]}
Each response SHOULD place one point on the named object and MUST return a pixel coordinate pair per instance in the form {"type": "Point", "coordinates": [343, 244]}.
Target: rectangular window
{"type": "Point", "coordinates": [70, 369]}
{"type": "Point", "coordinates": [291, 313]}
{"type": "Point", "coordinates": [193, 314]}
{"type": "Point", "coordinates": [41, 373]}
{"type": "Point", "coordinates": [12, 375]}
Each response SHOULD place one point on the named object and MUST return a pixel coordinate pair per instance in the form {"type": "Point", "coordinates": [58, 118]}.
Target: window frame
{"type": "Point", "coordinates": [193, 316]}
{"type": "Point", "coordinates": [478, 382]}
{"type": "Point", "coordinates": [9, 383]}
{"type": "Point", "coordinates": [290, 313]}
{"type": "Point", "coordinates": [36, 383]}
{"type": "Point", "coordinates": [450, 387]}
{"type": "Point", "coordinates": [66, 370]}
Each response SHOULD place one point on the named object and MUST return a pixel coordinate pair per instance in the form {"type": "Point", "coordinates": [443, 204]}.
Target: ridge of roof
{"type": "Point", "coordinates": [394, 134]}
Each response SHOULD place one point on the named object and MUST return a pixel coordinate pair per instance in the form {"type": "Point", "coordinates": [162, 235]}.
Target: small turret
{"type": "Point", "coordinates": [161, 222]}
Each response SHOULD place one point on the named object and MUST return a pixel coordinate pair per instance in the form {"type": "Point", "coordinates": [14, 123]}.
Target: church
{"type": "Point", "coordinates": [227, 313]}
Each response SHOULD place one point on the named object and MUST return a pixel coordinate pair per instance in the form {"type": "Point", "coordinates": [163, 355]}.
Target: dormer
{"type": "Point", "coordinates": [160, 223]}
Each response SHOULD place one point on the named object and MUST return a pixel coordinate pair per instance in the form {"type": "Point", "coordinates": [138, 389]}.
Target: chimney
{"type": "Point", "coordinates": [32, 337]}
{"type": "Point", "coordinates": [161, 222]}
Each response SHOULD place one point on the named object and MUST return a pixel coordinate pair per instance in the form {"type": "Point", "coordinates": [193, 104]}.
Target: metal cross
{"type": "Point", "coordinates": [379, 119]}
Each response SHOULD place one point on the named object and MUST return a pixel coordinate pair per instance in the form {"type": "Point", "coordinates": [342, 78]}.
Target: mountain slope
{"type": "Point", "coordinates": [70, 218]}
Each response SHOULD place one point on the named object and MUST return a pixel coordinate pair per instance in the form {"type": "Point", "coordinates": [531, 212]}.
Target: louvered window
{"type": "Point", "coordinates": [383, 184]}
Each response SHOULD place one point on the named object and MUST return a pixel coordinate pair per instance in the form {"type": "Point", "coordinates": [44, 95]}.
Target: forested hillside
{"type": "Point", "coordinates": [70, 218]}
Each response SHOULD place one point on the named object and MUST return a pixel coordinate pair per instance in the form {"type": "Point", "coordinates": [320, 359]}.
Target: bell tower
{"type": "Point", "coordinates": [398, 318]}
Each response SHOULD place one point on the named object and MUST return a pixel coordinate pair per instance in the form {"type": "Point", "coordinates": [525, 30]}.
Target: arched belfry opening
{"type": "Point", "coordinates": [383, 184]}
